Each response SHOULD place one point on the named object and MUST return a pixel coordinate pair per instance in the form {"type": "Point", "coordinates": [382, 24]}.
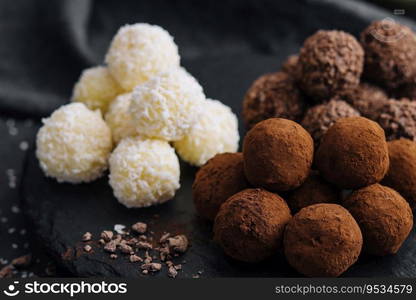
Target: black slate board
{"type": "Point", "coordinates": [58, 214]}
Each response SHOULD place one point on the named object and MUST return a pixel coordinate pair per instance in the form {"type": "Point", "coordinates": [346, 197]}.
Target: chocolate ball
{"type": "Point", "coordinates": [272, 95]}
{"type": "Point", "coordinates": [290, 66]}
{"type": "Point", "coordinates": [249, 225]}
{"type": "Point", "coordinates": [319, 118]}
{"type": "Point", "coordinates": [390, 53]}
{"type": "Point", "coordinates": [401, 175]}
{"type": "Point", "coordinates": [367, 99]}
{"type": "Point", "coordinates": [221, 177]}
{"type": "Point", "coordinates": [384, 217]}
{"type": "Point", "coordinates": [398, 119]}
{"type": "Point", "coordinates": [353, 153]}
{"type": "Point", "coordinates": [330, 62]}
{"type": "Point", "coordinates": [278, 155]}
{"type": "Point", "coordinates": [322, 240]}
{"type": "Point", "coordinates": [314, 190]}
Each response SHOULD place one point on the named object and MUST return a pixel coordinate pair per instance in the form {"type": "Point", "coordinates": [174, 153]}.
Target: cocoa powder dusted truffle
{"type": "Point", "coordinates": [398, 118]}
{"type": "Point", "coordinates": [384, 217]}
{"type": "Point", "coordinates": [353, 153]}
{"type": "Point", "coordinates": [390, 53]}
{"type": "Point", "coordinates": [272, 95]}
{"type": "Point", "coordinates": [249, 225]}
{"type": "Point", "coordinates": [314, 190]}
{"type": "Point", "coordinates": [322, 240]}
{"type": "Point", "coordinates": [330, 62]}
{"type": "Point", "coordinates": [319, 118]}
{"type": "Point", "coordinates": [366, 98]}
{"type": "Point", "coordinates": [220, 178]}
{"type": "Point", "coordinates": [277, 154]}
{"type": "Point", "coordinates": [402, 171]}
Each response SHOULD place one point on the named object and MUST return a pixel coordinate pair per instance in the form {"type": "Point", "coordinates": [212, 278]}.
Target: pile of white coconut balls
{"type": "Point", "coordinates": [149, 103]}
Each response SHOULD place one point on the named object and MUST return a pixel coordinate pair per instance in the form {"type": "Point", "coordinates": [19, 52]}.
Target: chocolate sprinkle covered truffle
{"type": "Point", "coordinates": [353, 153]}
{"type": "Point", "coordinates": [272, 95]}
{"type": "Point", "coordinates": [277, 154]}
{"type": "Point", "coordinates": [367, 99]}
{"type": "Point", "coordinates": [402, 171]}
{"type": "Point", "coordinates": [314, 190]}
{"type": "Point", "coordinates": [390, 53]}
{"type": "Point", "coordinates": [249, 225]}
{"type": "Point", "coordinates": [322, 240]}
{"type": "Point", "coordinates": [330, 63]}
{"type": "Point", "coordinates": [319, 118]}
{"type": "Point", "coordinates": [398, 119]}
{"type": "Point", "coordinates": [384, 217]}
{"type": "Point", "coordinates": [220, 178]}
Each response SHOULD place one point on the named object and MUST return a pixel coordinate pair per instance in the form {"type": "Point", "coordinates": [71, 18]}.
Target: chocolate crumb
{"type": "Point", "coordinates": [22, 261]}
{"type": "Point", "coordinates": [87, 237]}
{"type": "Point", "coordinates": [144, 245]}
{"type": "Point", "coordinates": [107, 235]}
{"type": "Point", "coordinates": [101, 241]}
{"type": "Point", "coordinates": [87, 248]}
{"type": "Point", "coordinates": [6, 272]}
{"type": "Point", "coordinates": [153, 267]}
{"type": "Point", "coordinates": [139, 227]}
{"type": "Point", "coordinates": [145, 272]}
{"type": "Point", "coordinates": [135, 258]}
{"type": "Point", "coordinates": [113, 256]}
{"type": "Point", "coordinates": [172, 272]}
{"type": "Point", "coordinates": [178, 243]}
{"type": "Point", "coordinates": [111, 246]}
{"type": "Point", "coordinates": [164, 238]}
{"type": "Point", "coordinates": [126, 249]}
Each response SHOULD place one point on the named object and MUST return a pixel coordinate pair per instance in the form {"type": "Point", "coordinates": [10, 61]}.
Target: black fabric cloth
{"type": "Point", "coordinates": [46, 44]}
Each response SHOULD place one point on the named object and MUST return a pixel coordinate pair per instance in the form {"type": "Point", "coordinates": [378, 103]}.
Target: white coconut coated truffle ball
{"type": "Point", "coordinates": [144, 172]}
{"type": "Point", "coordinates": [215, 131]}
{"type": "Point", "coordinates": [119, 119]}
{"type": "Point", "coordinates": [74, 144]}
{"type": "Point", "coordinates": [140, 51]}
{"type": "Point", "coordinates": [96, 88]}
{"type": "Point", "coordinates": [167, 105]}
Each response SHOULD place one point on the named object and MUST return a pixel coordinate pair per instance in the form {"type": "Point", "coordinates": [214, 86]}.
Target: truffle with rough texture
{"type": "Point", "coordinates": [272, 95]}
{"type": "Point", "coordinates": [140, 51]}
{"type": "Point", "coordinates": [167, 105]}
{"type": "Point", "coordinates": [220, 178]}
{"type": "Point", "coordinates": [353, 153]}
{"type": "Point", "coordinates": [401, 175]}
{"type": "Point", "coordinates": [367, 99]}
{"type": "Point", "coordinates": [144, 172]}
{"type": "Point", "coordinates": [390, 53]}
{"type": "Point", "coordinates": [314, 190]}
{"type": "Point", "coordinates": [119, 119]}
{"type": "Point", "coordinates": [74, 144]}
{"type": "Point", "coordinates": [398, 119]}
{"type": "Point", "coordinates": [215, 131]}
{"type": "Point", "coordinates": [330, 63]}
{"type": "Point", "coordinates": [290, 65]}
{"type": "Point", "coordinates": [278, 155]}
{"type": "Point", "coordinates": [96, 88]}
{"type": "Point", "coordinates": [319, 118]}
{"type": "Point", "coordinates": [249, 225]}
{"type": "Point", "coordinates": [322, 240]}
{"type": "Point", "coordinates": [384, 217]}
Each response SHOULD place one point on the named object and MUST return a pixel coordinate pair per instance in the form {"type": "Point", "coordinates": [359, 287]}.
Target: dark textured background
{"type": "Point", "coordinates": [225, 44]}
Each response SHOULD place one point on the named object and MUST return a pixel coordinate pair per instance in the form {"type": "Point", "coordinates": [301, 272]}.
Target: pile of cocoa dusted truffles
{"type": "Point", "coordinates": [328, 167]}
